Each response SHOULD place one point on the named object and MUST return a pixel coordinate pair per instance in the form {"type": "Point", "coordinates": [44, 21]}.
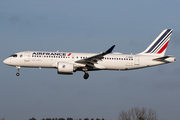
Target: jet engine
{"type": "Point", "coordinates": [65, 68]}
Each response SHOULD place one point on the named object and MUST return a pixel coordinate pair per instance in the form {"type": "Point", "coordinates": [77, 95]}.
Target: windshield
{"type": "Point", "coordinates": [14, 55]}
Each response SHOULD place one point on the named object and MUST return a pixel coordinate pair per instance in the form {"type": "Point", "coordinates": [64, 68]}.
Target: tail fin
{"type": "Point", "coordinates": [159, 45]}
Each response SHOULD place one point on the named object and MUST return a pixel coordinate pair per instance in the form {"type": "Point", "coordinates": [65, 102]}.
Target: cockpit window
{"type": "Point", "coordinates": [14, 55]}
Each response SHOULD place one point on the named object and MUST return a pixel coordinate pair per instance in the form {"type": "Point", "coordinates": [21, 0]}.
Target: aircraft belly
{"type": "Point", "coordinates": [99, 66]}
{"type": "Point", "coordinates": [121, 65]}
{"type": "Point", "coordinates": [115, 65]}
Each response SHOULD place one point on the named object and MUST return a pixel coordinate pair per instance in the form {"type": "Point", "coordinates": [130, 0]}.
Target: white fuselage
{"type": "Point", "coordinates": [67, 63]}
{"type": "Point", "coordinates": [115, 61]}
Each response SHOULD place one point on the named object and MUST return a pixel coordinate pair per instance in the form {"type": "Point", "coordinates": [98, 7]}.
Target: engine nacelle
{"type": "Point", "coordinates": [65, 68]}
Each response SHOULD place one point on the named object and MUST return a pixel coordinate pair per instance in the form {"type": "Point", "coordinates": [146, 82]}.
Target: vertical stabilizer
{"type": "Point", "coordinates": [159, 45]}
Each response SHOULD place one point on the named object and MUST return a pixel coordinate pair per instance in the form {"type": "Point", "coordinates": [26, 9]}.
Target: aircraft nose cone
{"type": "Point", "coordinates": [7, 61]}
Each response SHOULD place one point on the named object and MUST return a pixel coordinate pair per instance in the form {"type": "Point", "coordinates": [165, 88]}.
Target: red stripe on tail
{"type": "Point", "coordinates": [163, 48]}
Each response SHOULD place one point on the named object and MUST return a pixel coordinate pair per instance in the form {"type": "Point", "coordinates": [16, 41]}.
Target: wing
{"type": "Point", "coordinates": [94, 59]}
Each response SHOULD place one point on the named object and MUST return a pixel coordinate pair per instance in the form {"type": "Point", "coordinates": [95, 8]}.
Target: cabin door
{"type": "Point", "coordinates": [27, 57]}
{"type": "Point", "coordinates": [136, 60]}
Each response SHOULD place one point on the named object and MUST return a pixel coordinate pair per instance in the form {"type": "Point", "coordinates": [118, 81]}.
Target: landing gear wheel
{"type": "Point", "coordinates": [17, 74]}
{"type": "Point", "coordinates": [86, 75]}
{"type": "Point", "coordinates": [18, 67]}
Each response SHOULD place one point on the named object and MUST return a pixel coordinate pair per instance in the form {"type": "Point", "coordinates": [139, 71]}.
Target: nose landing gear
{"type": "Point", "coordinates": [18, 67]}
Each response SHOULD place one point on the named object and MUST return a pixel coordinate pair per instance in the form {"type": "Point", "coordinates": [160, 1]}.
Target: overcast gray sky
{"type": "Point", "coordinates": [87, 26]}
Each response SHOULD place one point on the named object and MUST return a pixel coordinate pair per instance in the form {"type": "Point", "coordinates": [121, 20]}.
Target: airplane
{"type": "Point", "coordinates": [69, 62]}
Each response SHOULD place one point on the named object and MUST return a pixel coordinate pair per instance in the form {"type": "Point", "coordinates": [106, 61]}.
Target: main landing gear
{"type": "Point", "coordinates": [18, 67]}
{"type": "Point", "coordinates": [86, 75]}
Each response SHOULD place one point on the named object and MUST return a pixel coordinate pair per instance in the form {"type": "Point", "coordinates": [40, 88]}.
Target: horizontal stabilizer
{"type": "Point", "coordinates": [162, 58]}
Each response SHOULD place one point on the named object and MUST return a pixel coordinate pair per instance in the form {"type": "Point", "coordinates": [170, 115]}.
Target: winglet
{"type": "Point", "coordinates": [110, 49]}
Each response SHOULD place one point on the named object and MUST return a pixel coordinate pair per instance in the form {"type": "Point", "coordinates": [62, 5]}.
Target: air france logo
{"type": "Point", "coordinates": [69, 54]}
{"type": "Point", "coordinates": [49, 53]}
